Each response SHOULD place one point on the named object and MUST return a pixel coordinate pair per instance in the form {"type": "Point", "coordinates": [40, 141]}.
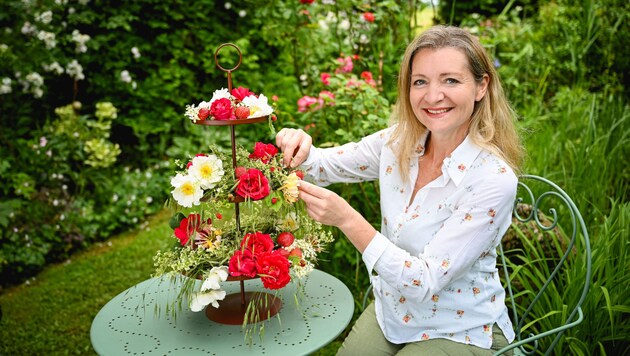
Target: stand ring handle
{"type": "Point", "coordinates": [240, 57]}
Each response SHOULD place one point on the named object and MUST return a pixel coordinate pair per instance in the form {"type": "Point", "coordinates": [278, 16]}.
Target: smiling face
{"type": "Point", "coordinates": [443, 92]}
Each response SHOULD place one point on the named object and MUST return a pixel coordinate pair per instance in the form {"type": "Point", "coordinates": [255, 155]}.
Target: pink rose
{"type": "Point", "coordinates": [345, 65]}
{"type": "Point", "coordinates": [273, 269]}
{"type": "Point", "coordinates": [307, 103]}
{"type": "Point", "coordinates": [221, 109]}
{"type": "Point", "coordinates": [241, 93]}
{"type": "Point", "coordinates": [253, 185]}
{"type": "Point", "coordinates": [325, 78]}
{"type": "Point", "coordinates": [242, 264]}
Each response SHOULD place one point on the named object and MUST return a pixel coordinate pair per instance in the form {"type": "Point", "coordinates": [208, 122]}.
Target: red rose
{"type": "Point", "coordinates": [221, 109]}
{"type": "Point", "coordinates": [369, 17]}
{"type": "Point", "coordinates": [241, 93]}
{"type": "Point", "coordinates": [264, 152]}
{"type": "Point", "coordinates": [273, 269]}
{"type": "Point", "coordinates": [189, 227]}
{"type": "Point", "coordinates": [203, 114]}
{"type": "Point", "coordinates": [253, 185]}
{"type": "Point", "coordinates": [258, 243]}
{"type": "Point", "coordinates": [242, 264]}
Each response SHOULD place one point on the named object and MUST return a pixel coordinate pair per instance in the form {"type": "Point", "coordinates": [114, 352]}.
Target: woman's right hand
{"type": "Point", "coordinates": [295, 144]}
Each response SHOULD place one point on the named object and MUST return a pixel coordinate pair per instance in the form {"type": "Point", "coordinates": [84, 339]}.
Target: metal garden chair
{"type": "Point", "coordinates": [545, 265]}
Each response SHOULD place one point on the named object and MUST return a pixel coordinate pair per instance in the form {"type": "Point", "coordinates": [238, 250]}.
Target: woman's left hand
{"type": "Point", "coordinates": [329, 208]}
{"type": "Point", "coordinates": [323, 205]}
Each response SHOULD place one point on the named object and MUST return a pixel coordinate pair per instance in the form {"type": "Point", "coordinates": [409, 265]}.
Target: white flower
{"type": "Point", "coordinates": [220, 94]}
{"type": "Point", "coordinates": [242, 13]}
{"type": "Point", "coordinates": [125, 76]}
{"type": "Point", "coordinates": [214, 279]}
{"type": "Point", "coordinates": [5, 88]}
{"type": "Point", "coordinates": [208, 170]}
{"type": "Point", "coordinates": [80, 40]}
{"type": "Point", "coordinates": [187, 190]}
{"type": "Point", "coordinates": [54, 67]}
{"type": "Point", "coordinates": [344, 25]}
{"type": "Point", "coordinates": [228, 5]}
{"type": "Point", "coordinates": [45, 17]}
{"type": "Point", "coordinates": [289, 223]}
{"type": "Point", "coordinates": [258, 106]}
{"type": "Point", "coordinates": [48, 38]}
{"type": "Point", "coordinates": [75, 70]}
{"type": "Point", "coordinates": [135, 52]}
{"type": "Point", "coordinates": [28, 29]}
{"type": "Point", "coordinates": [200, 300]}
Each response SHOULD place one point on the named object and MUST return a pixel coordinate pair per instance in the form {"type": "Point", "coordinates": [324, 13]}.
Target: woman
{"type": "Point", "coordinates": [447, 184]}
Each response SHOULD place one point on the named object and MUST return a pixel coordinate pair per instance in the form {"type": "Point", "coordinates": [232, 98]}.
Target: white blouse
{"type": "Point", "coordinates": [433, 265]}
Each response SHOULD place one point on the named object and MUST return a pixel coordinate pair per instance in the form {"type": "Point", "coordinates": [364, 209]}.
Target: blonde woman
{"type": "Point", "coordinates": [446, 170]}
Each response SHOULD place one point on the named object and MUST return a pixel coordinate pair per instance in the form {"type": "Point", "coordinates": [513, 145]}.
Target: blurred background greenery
{"type": "Point", "coordinates": [92, 100]}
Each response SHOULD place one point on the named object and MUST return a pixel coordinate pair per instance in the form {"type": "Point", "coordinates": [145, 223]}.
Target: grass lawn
{"type": "Point", "coordinates": [52, 314]}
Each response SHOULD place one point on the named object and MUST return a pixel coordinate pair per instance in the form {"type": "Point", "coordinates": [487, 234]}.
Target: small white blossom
{"type": "Point", "coordinates": [344, 25]}
{"type": "Point", "coordinates": [125, 76]}
{"type": "Point", "coordinates": [5, 88]}
{"type": "Point", "coordinates": [48, 38]}
{"type": "Point", "coordinates": [80, 40]}
{"type": "Point", "coordinates": [135, 52]}
{"type": "Point", "coordinates": [45, 17]}
{"type": "Point", "coordinates": [53, 67]}
{"type": "Point", "coordinates": [228, 5]}
{"type": "Point", "coordinates": [28, 28]}
{"type": "Point", "coordinates": [75, 70]}
{"type": "Point", "coordinates": [242, 13]}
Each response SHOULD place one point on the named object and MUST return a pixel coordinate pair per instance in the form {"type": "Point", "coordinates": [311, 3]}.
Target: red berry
{"type": "Point", "coordinates": [219, 216]}
{"type": "Point", "coordinates": [300, 174]}
{"type": "Point", "coordinates": [296, 252]}
{"type": "Point", "coordinates": [274, 200]}
{"type": "Point", "coordinates": [241, 112]}
{"type": "Point", "coordinates": [239, 171]}
{"type": "Point", "coordinates": [203, 113]}
{"type": "Point", "coordinates": [285, 239]}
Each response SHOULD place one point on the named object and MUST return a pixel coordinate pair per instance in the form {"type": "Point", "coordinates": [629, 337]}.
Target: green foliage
{"type": "Point", "coordinates": [564, 66]}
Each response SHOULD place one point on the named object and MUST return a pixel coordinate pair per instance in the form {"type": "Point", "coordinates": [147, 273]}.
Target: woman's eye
{"type": "Point", "coordinates": [452, 81]}
{"type": "Point", "coordinates": [419, 82]}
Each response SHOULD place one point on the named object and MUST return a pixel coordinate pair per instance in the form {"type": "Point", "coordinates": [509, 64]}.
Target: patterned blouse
{"type": "Point", "coordinates": [433, 265]}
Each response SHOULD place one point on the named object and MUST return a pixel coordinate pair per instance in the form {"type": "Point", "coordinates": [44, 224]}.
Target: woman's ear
{"type": "Point", "coordinates": [482, 87]}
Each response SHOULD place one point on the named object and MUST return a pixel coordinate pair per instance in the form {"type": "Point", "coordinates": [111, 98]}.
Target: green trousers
{"type": "Point", "coordinates": [366, 339]}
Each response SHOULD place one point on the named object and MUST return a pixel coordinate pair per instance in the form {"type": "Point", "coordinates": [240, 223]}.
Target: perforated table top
{"type": "Point", "coordinates": [135, 322]}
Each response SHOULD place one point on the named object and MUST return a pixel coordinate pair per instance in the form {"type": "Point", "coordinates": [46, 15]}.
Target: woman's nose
{"type": "Point", "coordinates": [434, 93]}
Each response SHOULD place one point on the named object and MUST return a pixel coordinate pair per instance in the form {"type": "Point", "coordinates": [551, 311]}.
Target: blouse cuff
{"type": "Point", "coordinates": [374, 251]}
{"type": "Point", "coordinates": [313, 156]}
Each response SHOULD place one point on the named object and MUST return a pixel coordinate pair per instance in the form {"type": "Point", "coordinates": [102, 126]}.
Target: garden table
{"type": "Point", "coordinates": [135, 321]}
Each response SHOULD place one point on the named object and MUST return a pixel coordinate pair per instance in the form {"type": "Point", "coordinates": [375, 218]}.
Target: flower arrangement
{"type": "Point", "coordinates": [271, 236]}
{"type": "Point", "coordinates": [239, 104]}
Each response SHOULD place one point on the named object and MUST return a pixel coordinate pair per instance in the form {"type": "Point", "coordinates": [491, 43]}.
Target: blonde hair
{"type": "Point", "coordinates": [492, 125]}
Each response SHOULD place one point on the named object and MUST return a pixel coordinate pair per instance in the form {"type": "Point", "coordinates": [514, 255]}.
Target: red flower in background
{"type": "Point", "coordinates": [273, 269]}
{"type": "Point", "coordinates": [253, 185]}
{"type": "Point", "coordinates": [221, 109]}
{"type": "Point", "coordinates": [325, 78]}
{"type": "Point", "coordinates": [242, 263]}
{"type": "Point", "coordinates": [258, 243]}
{"type": "Point", "coordinates": [263, 151]}
{"type": "Point", "coordinates": [369, 17]}
{"type": "Point", "coordinates": [241, 93]}
{"type": "Point", "coordinates": [308, 2]}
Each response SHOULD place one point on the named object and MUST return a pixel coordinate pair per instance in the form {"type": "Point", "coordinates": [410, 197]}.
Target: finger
{"type": "Point", "coordinates": [303, 149]}
{"type": "Point", "coordinates": [313, 190]}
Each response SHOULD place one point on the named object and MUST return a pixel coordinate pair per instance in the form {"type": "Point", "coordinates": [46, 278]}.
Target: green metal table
{"type": "Point", "coordinates": [134, 322]}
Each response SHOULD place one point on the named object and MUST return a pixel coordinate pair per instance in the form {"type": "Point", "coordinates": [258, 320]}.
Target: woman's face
{"type": "Point", "coordinates": [443, 91]}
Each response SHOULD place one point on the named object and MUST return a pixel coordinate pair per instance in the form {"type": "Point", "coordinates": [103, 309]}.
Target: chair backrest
{"type": "Point", "coordinates": [546, 265]}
